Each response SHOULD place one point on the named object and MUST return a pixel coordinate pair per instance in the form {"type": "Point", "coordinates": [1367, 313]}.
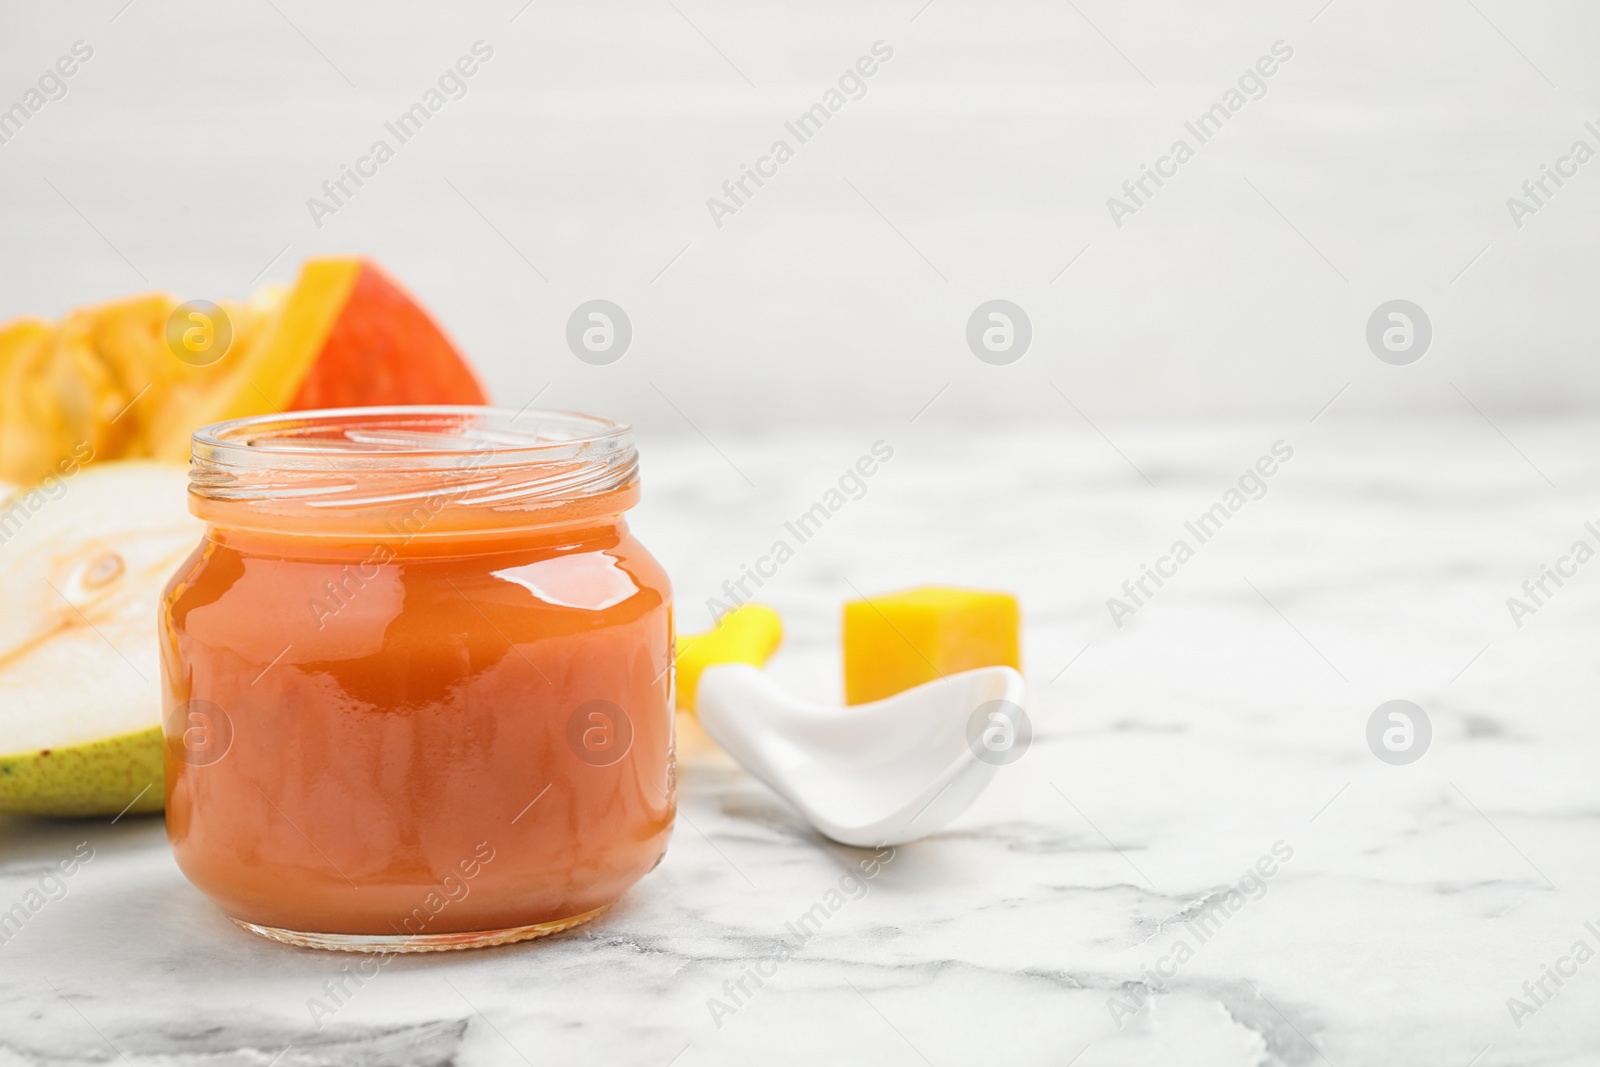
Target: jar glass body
{"type": "Point", "coordinates": [446, 723]}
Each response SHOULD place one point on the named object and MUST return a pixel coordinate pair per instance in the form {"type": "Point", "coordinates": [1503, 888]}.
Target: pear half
{"type": "Point", "coordinates": [84, 557]}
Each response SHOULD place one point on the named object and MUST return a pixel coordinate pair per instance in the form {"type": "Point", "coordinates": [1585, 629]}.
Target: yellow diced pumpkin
{"type": "Point", "coordinates": [900, 640]}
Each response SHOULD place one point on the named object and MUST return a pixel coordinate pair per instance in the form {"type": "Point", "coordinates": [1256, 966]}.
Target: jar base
{"type": "Point", "coordinates": [383, 943]}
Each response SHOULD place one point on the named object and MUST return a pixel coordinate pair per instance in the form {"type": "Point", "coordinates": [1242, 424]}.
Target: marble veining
{"type": "Point", "coordinates": [1225, 719]}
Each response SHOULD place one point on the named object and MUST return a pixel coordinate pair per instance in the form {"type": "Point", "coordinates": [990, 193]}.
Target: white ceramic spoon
{"type": "Point", "coordinates": [873, 774]}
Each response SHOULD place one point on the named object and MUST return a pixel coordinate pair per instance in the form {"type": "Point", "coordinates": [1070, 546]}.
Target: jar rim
{"type": "Point", "coordinates": [374, 458]}
{"type": "Point", "coordinates": [398, 437]}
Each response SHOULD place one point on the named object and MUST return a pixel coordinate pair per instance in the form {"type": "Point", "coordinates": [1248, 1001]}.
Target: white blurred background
{"type": "Point", "coordinates": [976, 166]}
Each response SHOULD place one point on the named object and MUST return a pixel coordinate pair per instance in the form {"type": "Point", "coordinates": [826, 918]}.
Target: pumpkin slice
{"type": "Point", "coordinates": [105, 378]}
{"type": "Point", "coordinates": [384, 349]}
{"type": "Point", "coordinates": [264, 369]}
{"type": "Point", "coordinates": [57, 400]}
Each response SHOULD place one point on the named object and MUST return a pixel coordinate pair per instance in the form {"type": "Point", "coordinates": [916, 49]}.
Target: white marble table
{"type": "Point", "coordinates": [1227, 717]}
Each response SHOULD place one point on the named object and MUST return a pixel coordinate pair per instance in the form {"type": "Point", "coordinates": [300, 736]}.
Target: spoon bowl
{"type": "Point", "coordinates": [883, 773]}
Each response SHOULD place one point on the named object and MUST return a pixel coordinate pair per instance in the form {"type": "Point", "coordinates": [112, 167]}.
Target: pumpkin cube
{"type": "Point", "coordinates": [900, 640]}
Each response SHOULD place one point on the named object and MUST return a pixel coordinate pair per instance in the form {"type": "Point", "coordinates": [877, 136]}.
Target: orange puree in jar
{"type": "Point", "coordinates": [417, 677]}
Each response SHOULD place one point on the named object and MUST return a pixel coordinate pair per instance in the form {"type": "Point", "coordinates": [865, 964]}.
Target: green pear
{"type": "Point", "coordinates": [84, 558]}
{"type": "Point", "coordinates": [95, 778]}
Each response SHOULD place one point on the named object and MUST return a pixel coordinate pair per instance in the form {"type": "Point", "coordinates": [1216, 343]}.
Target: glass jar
{"type": "Point", "coordinates": [417, 677]}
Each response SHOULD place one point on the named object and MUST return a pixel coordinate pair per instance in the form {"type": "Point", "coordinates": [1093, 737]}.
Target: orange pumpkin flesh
{"type": "Point", "coordinates": [384, 349]}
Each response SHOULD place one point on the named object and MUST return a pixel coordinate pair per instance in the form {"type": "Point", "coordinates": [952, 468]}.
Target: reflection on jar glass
{"type": "Point", "coordinates": [442, 668]}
